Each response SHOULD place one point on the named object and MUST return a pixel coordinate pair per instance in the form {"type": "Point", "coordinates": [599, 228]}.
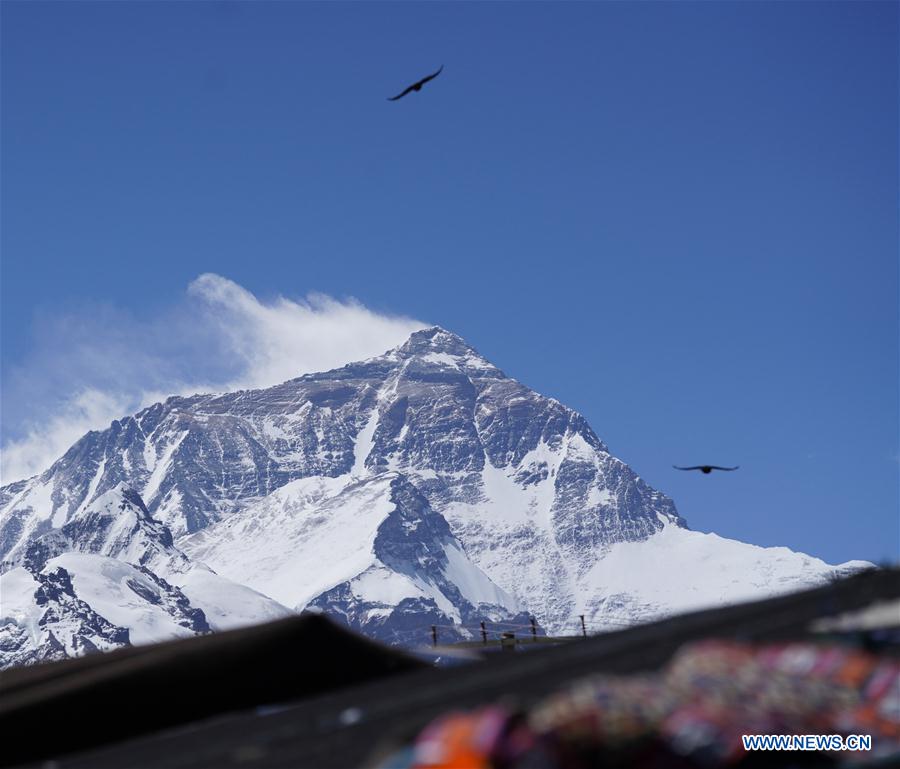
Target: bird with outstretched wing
{"type": "Point", "coordinates": [706, 469]}
{"type": "Point", "coordinates": [416, 86]}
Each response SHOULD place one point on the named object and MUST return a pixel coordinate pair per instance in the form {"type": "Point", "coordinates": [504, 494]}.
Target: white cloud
{"type": "Point", "coordinates": [282, 339]}
{"type": "Point", "coordinates": [50, 439]}
{"type": "Point", "coordinates": [100, 363]}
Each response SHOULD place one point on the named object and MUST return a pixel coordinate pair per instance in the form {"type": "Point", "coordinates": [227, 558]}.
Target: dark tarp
{"type": "Point", "coordinates": [64, 706]}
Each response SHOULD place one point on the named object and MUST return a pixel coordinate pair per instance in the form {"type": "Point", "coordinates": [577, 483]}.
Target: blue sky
{"type": "Point", "coordinates": [679, 219]}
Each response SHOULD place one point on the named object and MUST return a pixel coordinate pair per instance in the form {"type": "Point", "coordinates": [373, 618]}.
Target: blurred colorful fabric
{"type": "Point", "coordinates": [692, 713]}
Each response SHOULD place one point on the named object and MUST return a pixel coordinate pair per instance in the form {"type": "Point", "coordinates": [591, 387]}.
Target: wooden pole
{"type": "Point", "coordinates": [434, 635]}
{"type": "Point", "coordinates": [533, 630]}
{"type": "Point", "coordinates": [483, 634]}
{"type": "Point", "coordinates": [583, 628]}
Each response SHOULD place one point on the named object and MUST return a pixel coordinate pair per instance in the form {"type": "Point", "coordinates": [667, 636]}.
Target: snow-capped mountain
{"type": "Point", "coordinates": [116, 524]}
{"type": "Point", "coordinates": [111, 576]}
{"type": "Point", "coordinates": [44, 620]}
{"type": "Point", "coordinates": [420, 487]}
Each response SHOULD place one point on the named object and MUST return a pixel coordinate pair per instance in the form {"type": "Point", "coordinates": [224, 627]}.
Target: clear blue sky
{"type": "Point", "coordinates": [679, 219]}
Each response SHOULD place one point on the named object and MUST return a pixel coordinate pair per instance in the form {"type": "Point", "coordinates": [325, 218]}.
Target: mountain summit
{"type": "Point", "coordinates": [423, 486]}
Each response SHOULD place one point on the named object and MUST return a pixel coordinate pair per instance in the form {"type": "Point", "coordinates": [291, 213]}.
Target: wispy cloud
{"type": "Point", "coordinates": [48, 439]}
{"type": "Point", "coordinates": [279, 340]}
{"type": "Point", "coordinates": [99, 363]}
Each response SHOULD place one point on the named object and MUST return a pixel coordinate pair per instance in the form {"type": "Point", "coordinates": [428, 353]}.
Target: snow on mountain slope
{"type": "Point", "coordinates": [375, 543]}
{"type": "Point", "coordinates": [42, 619]}
{"type": "Point", "coordinates": [100, 581]}
{"type": "Point", "coordinates": [18, 605]}
{"type": "Point", "coordinates": [678, 570]}
{"type": "Point", "coordinates": [26, 513]}
{"type": "Point", "coordinates": [115, 524]}
{"type": "Point", "coordinates": [226, 604]}
{"type": "Point", "coordinates": [419, 487]}
{"type": "Point", "coordinates": [131, 597]}
{"type": "Point", "coordinates": [535, 523]}
{"type": "Point", "coordinates": [301, 540]}
{"type": "Point", "coordinates": [79, 602]}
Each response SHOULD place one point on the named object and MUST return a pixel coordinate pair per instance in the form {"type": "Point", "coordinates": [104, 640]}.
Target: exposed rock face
{"type": "Point", "coordinates": [57, 623]}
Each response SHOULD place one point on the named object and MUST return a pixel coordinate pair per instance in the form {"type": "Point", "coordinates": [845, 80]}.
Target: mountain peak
{"type": "Point", "coordinates": [436, 339]}
{"type": "Point", "coordinates": [437, 345]}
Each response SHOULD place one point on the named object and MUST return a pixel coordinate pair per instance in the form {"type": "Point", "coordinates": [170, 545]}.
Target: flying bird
{"type": "Point", "coordinates": [416, 86]}
{"type": "Point", "coordinates": [706, 469]}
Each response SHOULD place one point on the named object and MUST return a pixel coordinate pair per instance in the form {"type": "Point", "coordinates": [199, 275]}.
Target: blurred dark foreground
{"type": "Point", "coordinates": [304, 692]}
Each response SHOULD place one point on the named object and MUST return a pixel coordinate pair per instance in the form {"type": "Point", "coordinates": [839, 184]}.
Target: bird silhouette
{"type": "Point", "coordinates": [706, 469]}
{"type": "Point", "coordinates": [416, 86]}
